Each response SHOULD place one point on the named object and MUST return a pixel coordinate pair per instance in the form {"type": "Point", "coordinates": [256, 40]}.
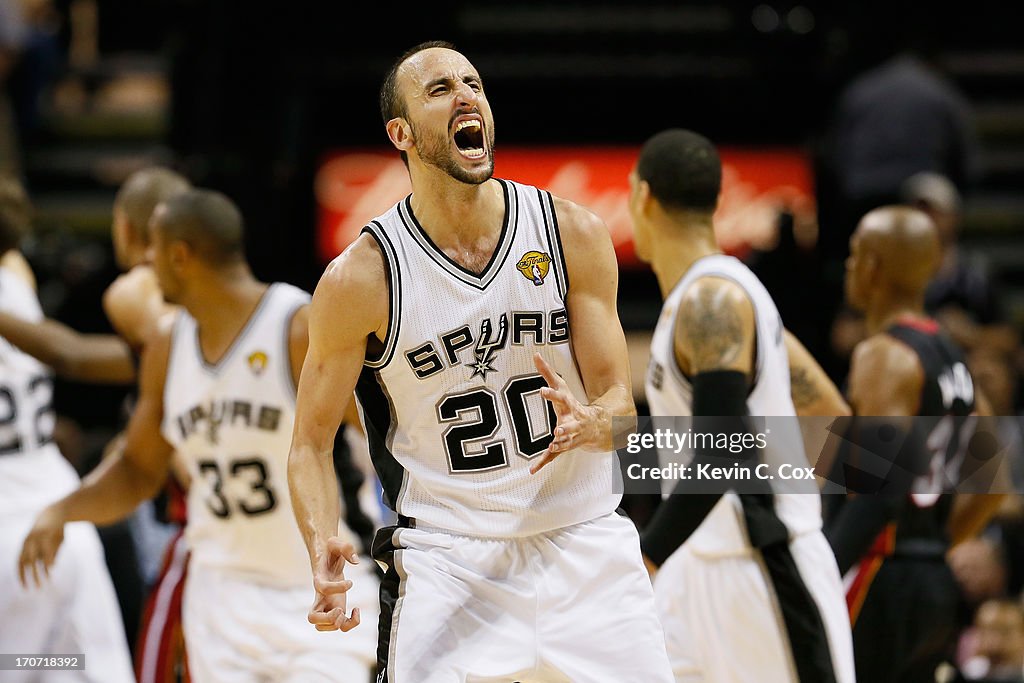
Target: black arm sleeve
{"type": "Point", "coordinates": [874, 500]}
{"type": "Point", "coordinates": [719, 406]}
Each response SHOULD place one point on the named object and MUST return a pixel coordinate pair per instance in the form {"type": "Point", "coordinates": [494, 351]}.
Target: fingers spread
{"type": "Point", "coordinates": [556, 397]}
{"type": "Point", "coordinates": [543, 460]}
{"type": "Point", "coordinates": [548, 372]}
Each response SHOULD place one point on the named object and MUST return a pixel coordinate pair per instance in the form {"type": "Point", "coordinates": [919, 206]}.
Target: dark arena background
{"type": "Point", "coordinates": [276, 105]}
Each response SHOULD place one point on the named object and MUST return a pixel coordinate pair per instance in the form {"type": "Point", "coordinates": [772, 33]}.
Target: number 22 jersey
{"type": "Point", "coordinates": [33, 473]}
{"type": "Point", "coordinates": [452, 405]}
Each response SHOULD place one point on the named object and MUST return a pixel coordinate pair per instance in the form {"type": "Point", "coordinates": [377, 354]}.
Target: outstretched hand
{"type": "Point", "coordinates": [577, 425]}
{"type": "Point", "coordinates": [329, 605]}
{"type": "Point", "coordinates": [40, 547]}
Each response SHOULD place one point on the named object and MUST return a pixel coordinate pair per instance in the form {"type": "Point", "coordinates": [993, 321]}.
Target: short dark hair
{"type": "Point", "coordinates": [15, 213]}
{"type": "Point", "coordinates": [391, 105]}
{"type": "Point", "coordinates": [208, 221]}
{"type": "Point", "coordinates": [142, 191]}
{"type": "Point", "coordinates": [682, 168]}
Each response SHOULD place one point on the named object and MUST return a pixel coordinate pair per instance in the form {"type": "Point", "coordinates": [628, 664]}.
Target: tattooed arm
{"type": "Point", "coordinates": [714, 345]}
{"type": "Point", "coordinates": [715, 329]}
{"type": "Point", "coordinates": [812, 391]}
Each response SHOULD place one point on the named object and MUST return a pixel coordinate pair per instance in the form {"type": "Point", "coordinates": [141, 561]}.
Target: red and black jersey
{"type": "Point", "coordinates": [945, 427]}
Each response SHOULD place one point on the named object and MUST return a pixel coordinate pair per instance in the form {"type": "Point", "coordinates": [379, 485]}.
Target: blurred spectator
{"type": "Point", "coordinates": [998, 382]}
{"type": "Point", "coordinates": [996, 379]}
{"type": "Point", "coordinates": [993, 649]}
{"type": "Point", "coordinates": [38, 66]}
{"type": "Point", "coordinates": [900, 117]}
{"type": "Point", "coordinates": [979, 565]}
{"type": "Point", "coordinates": [13, 32]}
{"type": "Point", "coordinates": [963, 295]}
{"type": "Point", "coordinates": [30, 61]}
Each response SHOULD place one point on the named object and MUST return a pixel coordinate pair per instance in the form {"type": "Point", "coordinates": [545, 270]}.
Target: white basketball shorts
{"type": "Point", "coordinates": [238, 631]}
{"type": "Point", "coordinates": [724, 622]}
{"type": "Point", "coordinates": [573, 605]}
{"type": "Point", "coordinates": [74, 612]}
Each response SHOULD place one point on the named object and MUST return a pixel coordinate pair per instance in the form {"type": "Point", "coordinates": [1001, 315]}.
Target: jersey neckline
{"type": "Point", "coordinates": [215, 367]}
{"type": "Point", "coordinates": [437, 255]}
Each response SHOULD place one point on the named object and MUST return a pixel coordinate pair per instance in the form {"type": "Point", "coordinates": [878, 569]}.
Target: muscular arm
{"type": "Point", "coordinates": [123, 480]}
{"type": "Point", "coordinates": [599, 344]}
{"type": "Point", "coordinates": [98, 358]}
{"type": "Point", "coordinates": [113, 490]}
{"type": "Point", "coordinates": [349, 304]}
{"type": "Point", "coordinates": [812, 391]}
{"type": "Point", "coordinates": [816, 398]}
{"type": "Point", "coordinates": [885, 381]}
{"type": "Point", "coordinates": [714, 340]}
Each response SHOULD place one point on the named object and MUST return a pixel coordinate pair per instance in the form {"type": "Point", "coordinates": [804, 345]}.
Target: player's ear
{"type": "Point", "coordinates": [179, 252]}
{"type": "Point", "coordinates": [400, 133]}
{"type": "Point", "coordinates": [641, 193]}
{"type": "Point", "coordinates": [872, 265]}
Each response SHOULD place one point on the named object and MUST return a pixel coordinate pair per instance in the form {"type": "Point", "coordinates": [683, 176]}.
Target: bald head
{"type": "Point", "coordinates": [142, 191]}
{"type": "Point", "coordinates": [207, 221]}
{"type": "Point", "coordinates": [904, 243]}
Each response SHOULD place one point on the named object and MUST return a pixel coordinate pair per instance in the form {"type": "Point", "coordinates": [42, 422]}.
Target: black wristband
{"type": "Point", "coordinates": [719, 405]}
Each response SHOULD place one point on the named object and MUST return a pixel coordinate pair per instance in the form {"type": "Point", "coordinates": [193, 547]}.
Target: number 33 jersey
{"type": "Point", "coordinates": [452, 404]}
{"type": "Point", "coordinates": [232, 424]}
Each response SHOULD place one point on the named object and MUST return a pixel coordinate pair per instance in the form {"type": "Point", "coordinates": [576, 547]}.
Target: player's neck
{"type": "Point", "coordinates": [677, 251]}
{"type": "Point", "coordinates": [886, 312]}
{"type": "Point", "coordinates": [453, 213]}
{"type": "Point", "coordinates": [223, 301]}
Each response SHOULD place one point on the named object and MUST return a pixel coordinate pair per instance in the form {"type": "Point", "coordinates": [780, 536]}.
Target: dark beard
{"type": "Point", "coordinates": [433, 150]}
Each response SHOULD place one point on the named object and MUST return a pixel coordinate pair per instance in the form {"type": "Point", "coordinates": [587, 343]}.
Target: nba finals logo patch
{"type": "Point", "coordinates": [257, 362]}
{"type": "Point", "coordinates": [534, 266]}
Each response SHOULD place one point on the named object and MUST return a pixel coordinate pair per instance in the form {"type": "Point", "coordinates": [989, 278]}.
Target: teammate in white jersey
{"type": "Point", "coordinates": [478, 319]}
{"type": "Point", "coordinates": [748, 588]}
{"type": "Point", "coordinates": [134, 305]}
{"type": "Point", "coordinates": [75, 611]}
{"type": "Point", "coordinates": [218, 388]}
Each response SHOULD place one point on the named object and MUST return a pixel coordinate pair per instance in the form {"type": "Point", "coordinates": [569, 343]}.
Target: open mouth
{"type": "Point", "coordinates": [469, 138]}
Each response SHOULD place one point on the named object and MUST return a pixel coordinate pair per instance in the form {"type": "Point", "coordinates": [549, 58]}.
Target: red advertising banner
{"type": "Point", "coordinates": [352, 187]}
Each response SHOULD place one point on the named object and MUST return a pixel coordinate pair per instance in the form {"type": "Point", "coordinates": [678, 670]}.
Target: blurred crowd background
{"type": "Point", "coordinates": [879, 103]}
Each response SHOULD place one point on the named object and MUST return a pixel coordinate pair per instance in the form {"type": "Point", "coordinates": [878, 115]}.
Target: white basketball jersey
{"type": "Point", "coordinates": [669, 393]}
{"type": "Point", "coordinates": [33, 473]}
{"type": "Point", "coordinates": [232, 424]}
{"type": "Point", "coordinates": [452, 405]}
